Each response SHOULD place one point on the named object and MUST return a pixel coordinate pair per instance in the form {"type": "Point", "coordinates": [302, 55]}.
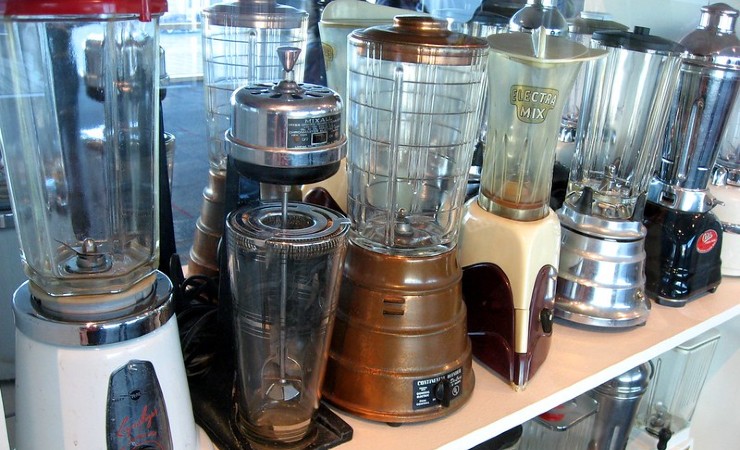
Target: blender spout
{"type": "Point", "coordinates": [539, 42]}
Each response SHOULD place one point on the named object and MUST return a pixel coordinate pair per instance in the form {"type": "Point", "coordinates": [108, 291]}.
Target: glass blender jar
{"type": "Point", "coordinates": [623, 116]}
{"type": "Point", "coordinates": [684, 237]}
{"type": "Point", "coordinates": [414, 109]}
{"type": "Point", "coordinates": [240, 42]}
{"type": "Point", "coordinates": [510, 238]}
{"type": "Point", "coordinates": [96, 320]}
{"type": "Point", "coordinates": [724, 187]}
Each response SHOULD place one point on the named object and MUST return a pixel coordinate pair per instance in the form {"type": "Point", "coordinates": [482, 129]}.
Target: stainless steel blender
{"type": "Point", "coordinates": [684, 238]}
{"type": "Point", "coordinates": [240, 42]}
{"type": "Point", "coordinates": [98, 357]}
{"type": "Point", "coordinates": [400, 352]}
{"type": "Point", "coordinates": [601, 279]}
{"type": "Point", "coordinates": [510, 238]}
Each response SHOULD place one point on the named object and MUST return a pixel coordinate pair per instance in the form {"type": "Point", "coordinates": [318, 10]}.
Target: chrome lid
{"type": "Point", "coordinates": [630, 384]}
{"type": "Point", "coordinates": [286, 125]}
{"type": "Point", "coordinates": [310, 231]}
{"type": "Point", "coordinates": [417, 40]}
{"type": "Point", "coordinates": [714, 41]}
{"type": "Point", "coordinates": [259, 14]}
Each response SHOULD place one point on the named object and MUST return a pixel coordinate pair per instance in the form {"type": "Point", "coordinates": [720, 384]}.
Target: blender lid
{"type": "Point", "coordinates": [630, 384]}
{"type": "Point", "coordinates": [258, 14]}
{"type": "Point", "coordinates": [540, 47]}
{"type": "Point", "coordinates": [588, 22]}
{"type": "Point", "coordinates": [639, 40]}
{"type": "Point", "coordinates": [142, 8]}
{"type": "Point", "coordinates": [311, 230]}
{"type": "Point", "coordinates": [714, 40]}
{"type": "Point", "coordinates": [418, 40]}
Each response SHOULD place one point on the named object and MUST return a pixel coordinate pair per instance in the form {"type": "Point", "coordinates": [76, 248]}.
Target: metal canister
{"type": "Point", "coordinates": [707, 87]}
{"type": "Point", "coordinates": [618, 401]}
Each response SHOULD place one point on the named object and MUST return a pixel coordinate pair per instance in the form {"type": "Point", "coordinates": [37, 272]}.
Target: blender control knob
{"type": "Point", "coordinates": [547, 317]}
{"type": "Point", "coordinates": [443, 392]}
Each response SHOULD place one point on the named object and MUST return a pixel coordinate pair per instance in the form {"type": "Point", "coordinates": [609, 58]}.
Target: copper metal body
{"type": "Point", "coordinates": [400, 351]}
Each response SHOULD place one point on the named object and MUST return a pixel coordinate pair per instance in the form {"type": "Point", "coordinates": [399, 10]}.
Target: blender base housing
{"type": "Point", "coordinates": [601, 282]}
{"type": "Point", "coordinates": [509, 286]}
{"type": "Point", "coordinates": [400, 351]}
{"type": "Point", "coordinates": [683, 254]}
{"type": "Point", "coordinates": [122, 382]}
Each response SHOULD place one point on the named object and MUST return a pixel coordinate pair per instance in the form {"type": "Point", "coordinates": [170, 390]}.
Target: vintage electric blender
{"type": "Point", "coordinates": [510, 238]}
{"type": "Point", "coordinates": [282, 262]}
{"type": "Point", "coordinates": [684, 238]}
{"type": "Point", "coordinates": [725, 187]}
{"type": "Point", "coordinates": [240, 42]}
{"type": "Point", "coordinates": [400, 351]}
{"type": "Point", "coordinates": [98, 357]}
{"type": "Point", "coordinates": [601, 279]}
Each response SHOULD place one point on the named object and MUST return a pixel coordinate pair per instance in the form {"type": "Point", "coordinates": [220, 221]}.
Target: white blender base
{"type": "Point", "coordinates": [61, 392]}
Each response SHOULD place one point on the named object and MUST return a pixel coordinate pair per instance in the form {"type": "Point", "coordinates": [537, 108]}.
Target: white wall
{"type": "Point", "coordinates": [670, 19]}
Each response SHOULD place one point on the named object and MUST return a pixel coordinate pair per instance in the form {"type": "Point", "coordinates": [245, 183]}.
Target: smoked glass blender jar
{"type": "Point", "coordinates": [400, 351]}
{"type": "Point", "coordinates": [240, 42]}
{"type": "Point", "coordinates": [97, 343]}
{"type": "Point", "coordinates": [510, 238]}
{"type": "Point", "coordinates": [601, 279]}
{"type": "Point", "coordinates": [684, 237]}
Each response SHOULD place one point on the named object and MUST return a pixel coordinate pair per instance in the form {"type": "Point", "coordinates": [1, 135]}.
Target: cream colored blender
{"type": "Point", "coordinates": [510, 239]}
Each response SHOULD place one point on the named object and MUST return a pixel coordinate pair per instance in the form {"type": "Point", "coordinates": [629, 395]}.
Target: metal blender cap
{"type": "Point", "coordinates": [417, 40]}
{"type": "Point", "coordinates": [630, 384]}
{"type": "Point", "coordinates": [714, 41]}
{"type": "Point", "coordinates": [258, 14]}
{"type": "Point", "coordinates": [286, 132]}
{"type": "Point", "coordinates": [310, 231]}
{"type": "Point", "coordinates": [638, 40]}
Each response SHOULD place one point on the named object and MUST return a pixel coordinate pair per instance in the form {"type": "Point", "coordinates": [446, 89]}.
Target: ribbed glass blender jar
{"type": "Point", "coordinates": [415, 95]}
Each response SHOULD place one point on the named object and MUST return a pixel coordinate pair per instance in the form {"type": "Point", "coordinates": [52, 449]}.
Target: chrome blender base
{"type": "Point", "coordinates": [576, 313]}
{"type": "Point", "coordinates": [601, 280]}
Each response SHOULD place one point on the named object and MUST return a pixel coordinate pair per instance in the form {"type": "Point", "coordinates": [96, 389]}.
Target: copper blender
{"type": "Point", "coordinates": [510, 238]}
{"type": "Point", "coordinates": [684, 237]}
{"type": "Point", "coordinates": [601, 279]}
{"type": "Point", "coordinates": [400, 352]}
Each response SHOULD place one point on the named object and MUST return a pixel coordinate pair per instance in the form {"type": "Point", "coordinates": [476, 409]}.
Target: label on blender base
{"type": "Point", "coordinates": [314, 131]}
{"type": "Point", "coordinates": [707, 241]}
{"type": "Point", "coordinates": [427, 391]}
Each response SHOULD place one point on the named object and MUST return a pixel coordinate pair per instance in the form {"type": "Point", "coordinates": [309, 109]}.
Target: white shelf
{"type": "Point", "coordinates": [579, 360]}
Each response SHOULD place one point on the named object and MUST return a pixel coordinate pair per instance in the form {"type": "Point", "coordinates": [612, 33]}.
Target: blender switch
{"type": "Point", "coordinates": [546, 319]}
{"type": "Point", "coordinates": [443, 392]}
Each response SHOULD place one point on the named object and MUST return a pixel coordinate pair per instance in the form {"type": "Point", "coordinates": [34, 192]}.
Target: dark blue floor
{"type": "Point", "coordinates": [184, 116]}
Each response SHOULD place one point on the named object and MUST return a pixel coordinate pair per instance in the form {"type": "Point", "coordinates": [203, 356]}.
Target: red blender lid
{"type": "Point", "coordinates": [143, 8]}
